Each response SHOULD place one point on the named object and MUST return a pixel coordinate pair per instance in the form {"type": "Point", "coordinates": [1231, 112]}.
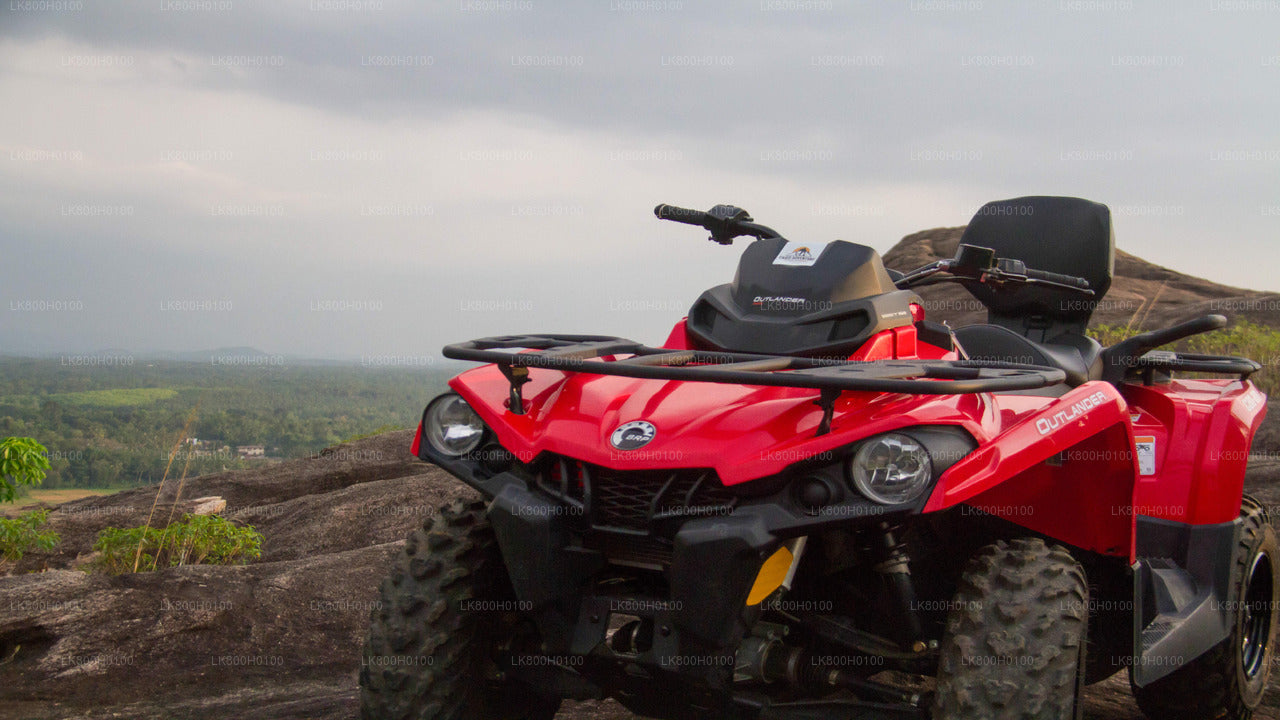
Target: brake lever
{"type": "Point", "coordinates": [1087, 292]}
{"type": "Point", "coordinates": [1007, 270]}
{"type": "Point", "coordinates": [1004, 277]}
{"type": "Point", "coordinates": [920, 273]}
{"type": "Point", "coordinates": [999, 278]}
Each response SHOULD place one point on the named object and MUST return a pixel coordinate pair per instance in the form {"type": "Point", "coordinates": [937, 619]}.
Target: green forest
{"type": "Point", "coordinates": [109, 427]}
{"type": "Point", "coordinates": [116, 426]}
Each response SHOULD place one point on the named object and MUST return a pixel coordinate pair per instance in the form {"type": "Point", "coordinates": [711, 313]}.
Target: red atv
{"type": "Point", "coordinates": [813, 502]}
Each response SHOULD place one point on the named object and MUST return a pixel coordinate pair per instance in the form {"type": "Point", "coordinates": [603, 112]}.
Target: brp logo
{"type": "Point", "coordinates": [632, 435]}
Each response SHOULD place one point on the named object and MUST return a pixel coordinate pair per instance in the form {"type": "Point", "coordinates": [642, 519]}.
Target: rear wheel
{"type": "Point", "coordinates": [1228, 681]}
{"type": "Point", "coordinates": [1015, 641]}
{"type": "Point", "coordinates": [446, 621]}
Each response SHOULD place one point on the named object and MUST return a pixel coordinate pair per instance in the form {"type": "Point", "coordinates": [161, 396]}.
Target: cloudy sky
{"type": "Point", "coordinates": [376, 178]}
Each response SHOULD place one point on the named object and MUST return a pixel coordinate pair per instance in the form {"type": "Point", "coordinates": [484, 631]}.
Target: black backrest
{"type": "Point", "coordinates": [1057, 234]}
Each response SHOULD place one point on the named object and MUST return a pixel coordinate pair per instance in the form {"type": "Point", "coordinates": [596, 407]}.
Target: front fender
{"type": "Point", "coordinates": [1080, 414]}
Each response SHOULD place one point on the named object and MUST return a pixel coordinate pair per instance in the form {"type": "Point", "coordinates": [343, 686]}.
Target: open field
{"type": "Point", "coordinates": [51, 496]}
{"type": "Point", "coordinates": [120, 397]}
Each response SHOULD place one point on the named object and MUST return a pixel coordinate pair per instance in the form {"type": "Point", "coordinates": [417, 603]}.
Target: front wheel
{"type": "Point", "coordinates": [1228, 681]}
{"type": "Point", "coordinates": [1016, 633]}
{"type": "Point", "coordinates": [445, 620]}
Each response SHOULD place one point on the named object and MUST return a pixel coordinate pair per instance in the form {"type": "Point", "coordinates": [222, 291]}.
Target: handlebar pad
{"type": "Point", "coordinates": [1070, 280]}
{"type": "Point", "coordinates": [682, 215]}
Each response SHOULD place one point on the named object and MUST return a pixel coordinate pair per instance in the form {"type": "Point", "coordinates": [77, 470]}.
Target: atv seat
{"type": "Point", "coordinates": [1065, 235]}
{"type": "Point", "coordinates": [1034, 324]}
{"type": "Point", "coordinates": [1079, 356]}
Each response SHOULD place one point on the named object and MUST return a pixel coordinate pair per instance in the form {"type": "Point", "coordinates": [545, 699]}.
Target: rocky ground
{"type": "Point", "coordinates": [276, 639]}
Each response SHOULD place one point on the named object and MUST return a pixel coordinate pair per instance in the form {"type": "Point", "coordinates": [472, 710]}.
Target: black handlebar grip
{"type": "Point", "coordinates": [682, 215]}
{"type": "Point", "coordinates": [1070, 280]}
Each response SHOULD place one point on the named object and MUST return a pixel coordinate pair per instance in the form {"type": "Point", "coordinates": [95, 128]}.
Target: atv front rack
{"type": "Point", "coordinates": [595, 354]}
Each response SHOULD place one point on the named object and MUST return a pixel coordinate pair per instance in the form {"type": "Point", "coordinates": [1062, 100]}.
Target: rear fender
{"type": "Point", "coordinates": [1203, 430]}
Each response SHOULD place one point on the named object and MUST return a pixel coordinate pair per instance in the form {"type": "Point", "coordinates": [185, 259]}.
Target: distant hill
{"type": "Point", "coordinates": [1141, 292]}
{"type": "Point", "coordinates": [204, 356]}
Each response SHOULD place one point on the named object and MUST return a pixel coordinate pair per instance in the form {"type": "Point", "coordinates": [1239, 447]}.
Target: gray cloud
{"type": "Point", "coordinates": [489, 166]}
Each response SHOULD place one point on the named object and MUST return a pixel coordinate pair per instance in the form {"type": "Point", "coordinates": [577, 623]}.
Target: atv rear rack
{"type": "Point", "coordinates": [593, 354]}
{"type": "Point", "coordinates": [1169, 361]}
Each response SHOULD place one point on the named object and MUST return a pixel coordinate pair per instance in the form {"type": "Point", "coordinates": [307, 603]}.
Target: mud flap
{"type": "Point", "coordinates": [1181, 594]}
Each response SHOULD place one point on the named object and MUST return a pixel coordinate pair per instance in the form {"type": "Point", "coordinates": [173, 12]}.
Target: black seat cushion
{"type": "Point", "coordinates": [1079, 356]}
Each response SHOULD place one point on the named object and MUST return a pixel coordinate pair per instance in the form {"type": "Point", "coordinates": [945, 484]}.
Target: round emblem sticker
{"type": "Point", "coordinates": [632, 435]}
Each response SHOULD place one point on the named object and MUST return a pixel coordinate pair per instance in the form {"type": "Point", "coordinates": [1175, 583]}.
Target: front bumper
{"type": "Point", "coordinates": [714, 562]}
{"type": "Point", "coordinates": [687, 555]}
{"type": "Point", "coordinates": [698, 611]}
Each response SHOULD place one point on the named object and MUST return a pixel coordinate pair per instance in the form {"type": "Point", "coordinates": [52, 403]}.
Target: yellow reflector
{"type": "Point", "coordinates": [772, 574]}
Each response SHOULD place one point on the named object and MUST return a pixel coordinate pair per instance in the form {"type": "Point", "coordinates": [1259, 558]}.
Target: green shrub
{"type": "Point", "coordinates": [196, 540]}
{"type": "Point", "coordinates": [22, 462]}
{"type": "Point", "coordinates": [1109, 335]}
{"type": "Point", "coordinates": [1242, 338]}
{"type": "Point", "coordinates": [22, 534]}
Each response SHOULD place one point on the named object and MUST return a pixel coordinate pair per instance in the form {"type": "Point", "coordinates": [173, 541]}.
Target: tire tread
{"type": "Point", "coordinates": [1015, 635]}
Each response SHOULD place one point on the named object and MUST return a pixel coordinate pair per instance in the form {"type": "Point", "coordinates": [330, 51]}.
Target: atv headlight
{"type": "Point", "coordinates": [891, 469]}
{"type": "Point", "coordinates": [451, 426]}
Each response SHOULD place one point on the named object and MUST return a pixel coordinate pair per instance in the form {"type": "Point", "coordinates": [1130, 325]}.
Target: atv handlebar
{"type": "Point", "coordinates": [972, 263]}
{"type": "Point", "coordinates": [978, 264]}
{"type": "Point", "coordinates": [1058, 279]}
{"type": "Point", "coordinates": [681, 215]}
{"type": "Point", "coordinates": [724, 222]}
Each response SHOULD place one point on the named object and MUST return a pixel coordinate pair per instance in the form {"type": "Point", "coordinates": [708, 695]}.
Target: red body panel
{"type": "Point", "coordinates": [769, 427]}
{"type": "Point", "coordinates": [1044, 428]}
{"type": "Point", "coordinates": [1066, 467]}
{"type": "Point", "coordinates": [1202, 431]}
{"type": "Point", "coordinates": [895, 343]}
{"type": "Point", "coordinates": [679, 338]}
{"type": "Point", "coordinates": [743, 432]}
